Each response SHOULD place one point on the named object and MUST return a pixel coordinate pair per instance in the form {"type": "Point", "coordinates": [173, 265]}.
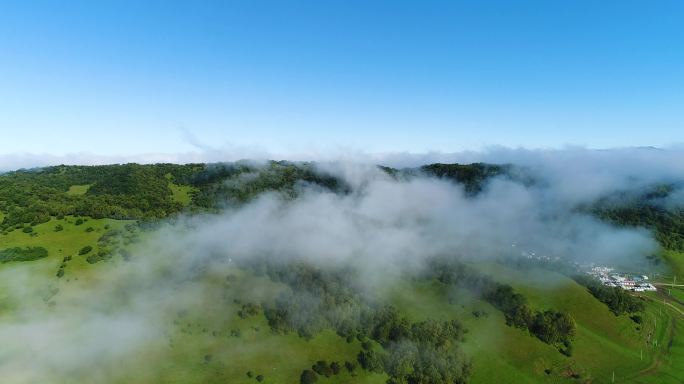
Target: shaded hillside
{"type": "Point", "coordinates": [648, 208]}
{"type": "Point", "coordinates": [472, 176]}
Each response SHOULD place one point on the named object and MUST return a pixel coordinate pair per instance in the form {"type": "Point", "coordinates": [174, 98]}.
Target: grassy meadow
{"type": "Point", "coordinates": [212, 344]}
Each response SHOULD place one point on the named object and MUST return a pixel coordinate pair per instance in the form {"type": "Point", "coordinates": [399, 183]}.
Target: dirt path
{"type": "Point", "coordinates": [655, 366]}
{"type": "Point", "coordinates": [658, 359]}
{"type": "Point", "coordinates": [664, 297]}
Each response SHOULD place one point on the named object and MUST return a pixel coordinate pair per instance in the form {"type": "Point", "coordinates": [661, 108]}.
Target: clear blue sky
{"type": "Point", "coordinates": [126, 77]}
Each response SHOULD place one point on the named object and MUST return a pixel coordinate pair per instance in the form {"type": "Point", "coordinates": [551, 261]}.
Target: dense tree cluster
{"type": "Point", "coordinates": [22, 254]}
{"type": "Point", "coordinates": [143, 192]}
{"type": "Point", "coordinates": [237, 183]}
{"type": "Point", "coordinates": [318, 300]}
{"type": "Point", "coordinates": [472, 176]}
{"type": "Point", "coordinates": [420, 352]}
{"type": "Point", "coordinates": [409, 352]}
{"type": "Point", "coordinates": [617, 299]}
{"type": "Point", "coordinates": [128, 191]}
{"type": "Point", "coordinates": [552, 327]}
{"type": "Point", "coordinates": [646, 209]}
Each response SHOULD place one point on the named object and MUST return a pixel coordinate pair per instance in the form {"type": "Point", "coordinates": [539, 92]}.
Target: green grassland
{"type": "Point", "coordinates": [182, 193]}
{"type": "Point", "coordinates": [78, 190]}
{"type": "Point", "coordinates": [279, 357]}
{"type": "Point", "coordinates": [67, 241]}
{"type": "Point", "coordinates": [604, 343]}
{"type": "Point", "coordinates": [200, 347]}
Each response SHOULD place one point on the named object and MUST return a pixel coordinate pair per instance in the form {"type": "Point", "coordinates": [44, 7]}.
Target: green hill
{"type": "Point", "coordinates": [243, 321]}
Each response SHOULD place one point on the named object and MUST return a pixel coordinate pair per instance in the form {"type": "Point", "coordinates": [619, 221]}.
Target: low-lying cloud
{"type": "Point", "coordinates": [382, 228]}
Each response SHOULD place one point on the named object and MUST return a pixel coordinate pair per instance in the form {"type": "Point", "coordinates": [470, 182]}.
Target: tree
{"type": "Point", "coordinates": [350, 365]}
{"type": "Point", "coordinates": [371, 361]}
{"type": "Point", "coordinates": [308, 377]}
{"type": "Point", "coordinates": [321, 367]}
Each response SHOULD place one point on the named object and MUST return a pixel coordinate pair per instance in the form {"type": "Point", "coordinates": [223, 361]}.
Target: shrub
{"type": "Point", "coordinates": [249, 310]}
{"type": "Point", "coordinates": [321, 367]}
{"type": "Point", "coordinates": [59, 227]}
{"type": "Point", "coordinates": [27, 229]}
{"type": "Point", "coordinates": [85, 250]}
{"type": "Point", "coordinates": [479, 313]}
{"type": "Point", "coordinates": [350, 365]}
{"type": "Point", "coordinates": [79, 221]}
{"type": "Point", "coordinates": [308, 377]}
{"type": "Point", "coordinates": [260, 378]}
{"type": "Point", "coordinates": [371, 361]}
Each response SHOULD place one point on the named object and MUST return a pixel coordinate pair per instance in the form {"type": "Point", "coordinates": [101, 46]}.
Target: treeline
{"type": "Point", "coordinates": [409, 352]}
{"type": "Point", "coordinates": [129, 191]}
{"type": "Point", "coordinates": [22, 254]}
{"type": "Point", "coordinates": [420, 352]}
{"type": "Point", "coordinates": [646, 209]}
{"type": "Point", "coordinates": [552, 327]}
{"type": "Point", "coordinates": [142, 192]}
{"type": "Point", "coordinates": [617, 299]}
{"type": "Point", "coordinates": [237, 183]}
{"type": "Point", "coordinates": [472, 176]}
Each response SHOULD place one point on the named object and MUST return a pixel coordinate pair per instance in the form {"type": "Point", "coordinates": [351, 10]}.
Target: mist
{"type": "Point", "coordinates": [384, 228]}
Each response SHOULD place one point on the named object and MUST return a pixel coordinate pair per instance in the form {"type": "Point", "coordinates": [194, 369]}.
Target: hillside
{"type": "Point", "coordinates": [111, 233]}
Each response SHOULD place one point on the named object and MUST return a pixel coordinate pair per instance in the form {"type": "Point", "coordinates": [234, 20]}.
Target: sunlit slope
{"type": "Point", "coordinates": [210, 343]}
{"type": "Point", "coordinates": [604, 343]}
{"type": "Point", "coordinates": [63, 238]}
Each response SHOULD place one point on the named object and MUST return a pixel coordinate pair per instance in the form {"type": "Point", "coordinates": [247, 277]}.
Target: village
{"type": "Point", "coordinates": [610, 278]}
{"type": "Point", "coordinates": [606, 275]}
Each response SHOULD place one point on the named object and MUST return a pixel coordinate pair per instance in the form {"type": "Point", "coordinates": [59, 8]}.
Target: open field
{"type": "Point", "coordinates": [78, 190]}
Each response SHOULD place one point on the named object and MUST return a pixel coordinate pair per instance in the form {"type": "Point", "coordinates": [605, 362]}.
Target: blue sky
{"type": "Point", "coordinates": [121, 78]}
